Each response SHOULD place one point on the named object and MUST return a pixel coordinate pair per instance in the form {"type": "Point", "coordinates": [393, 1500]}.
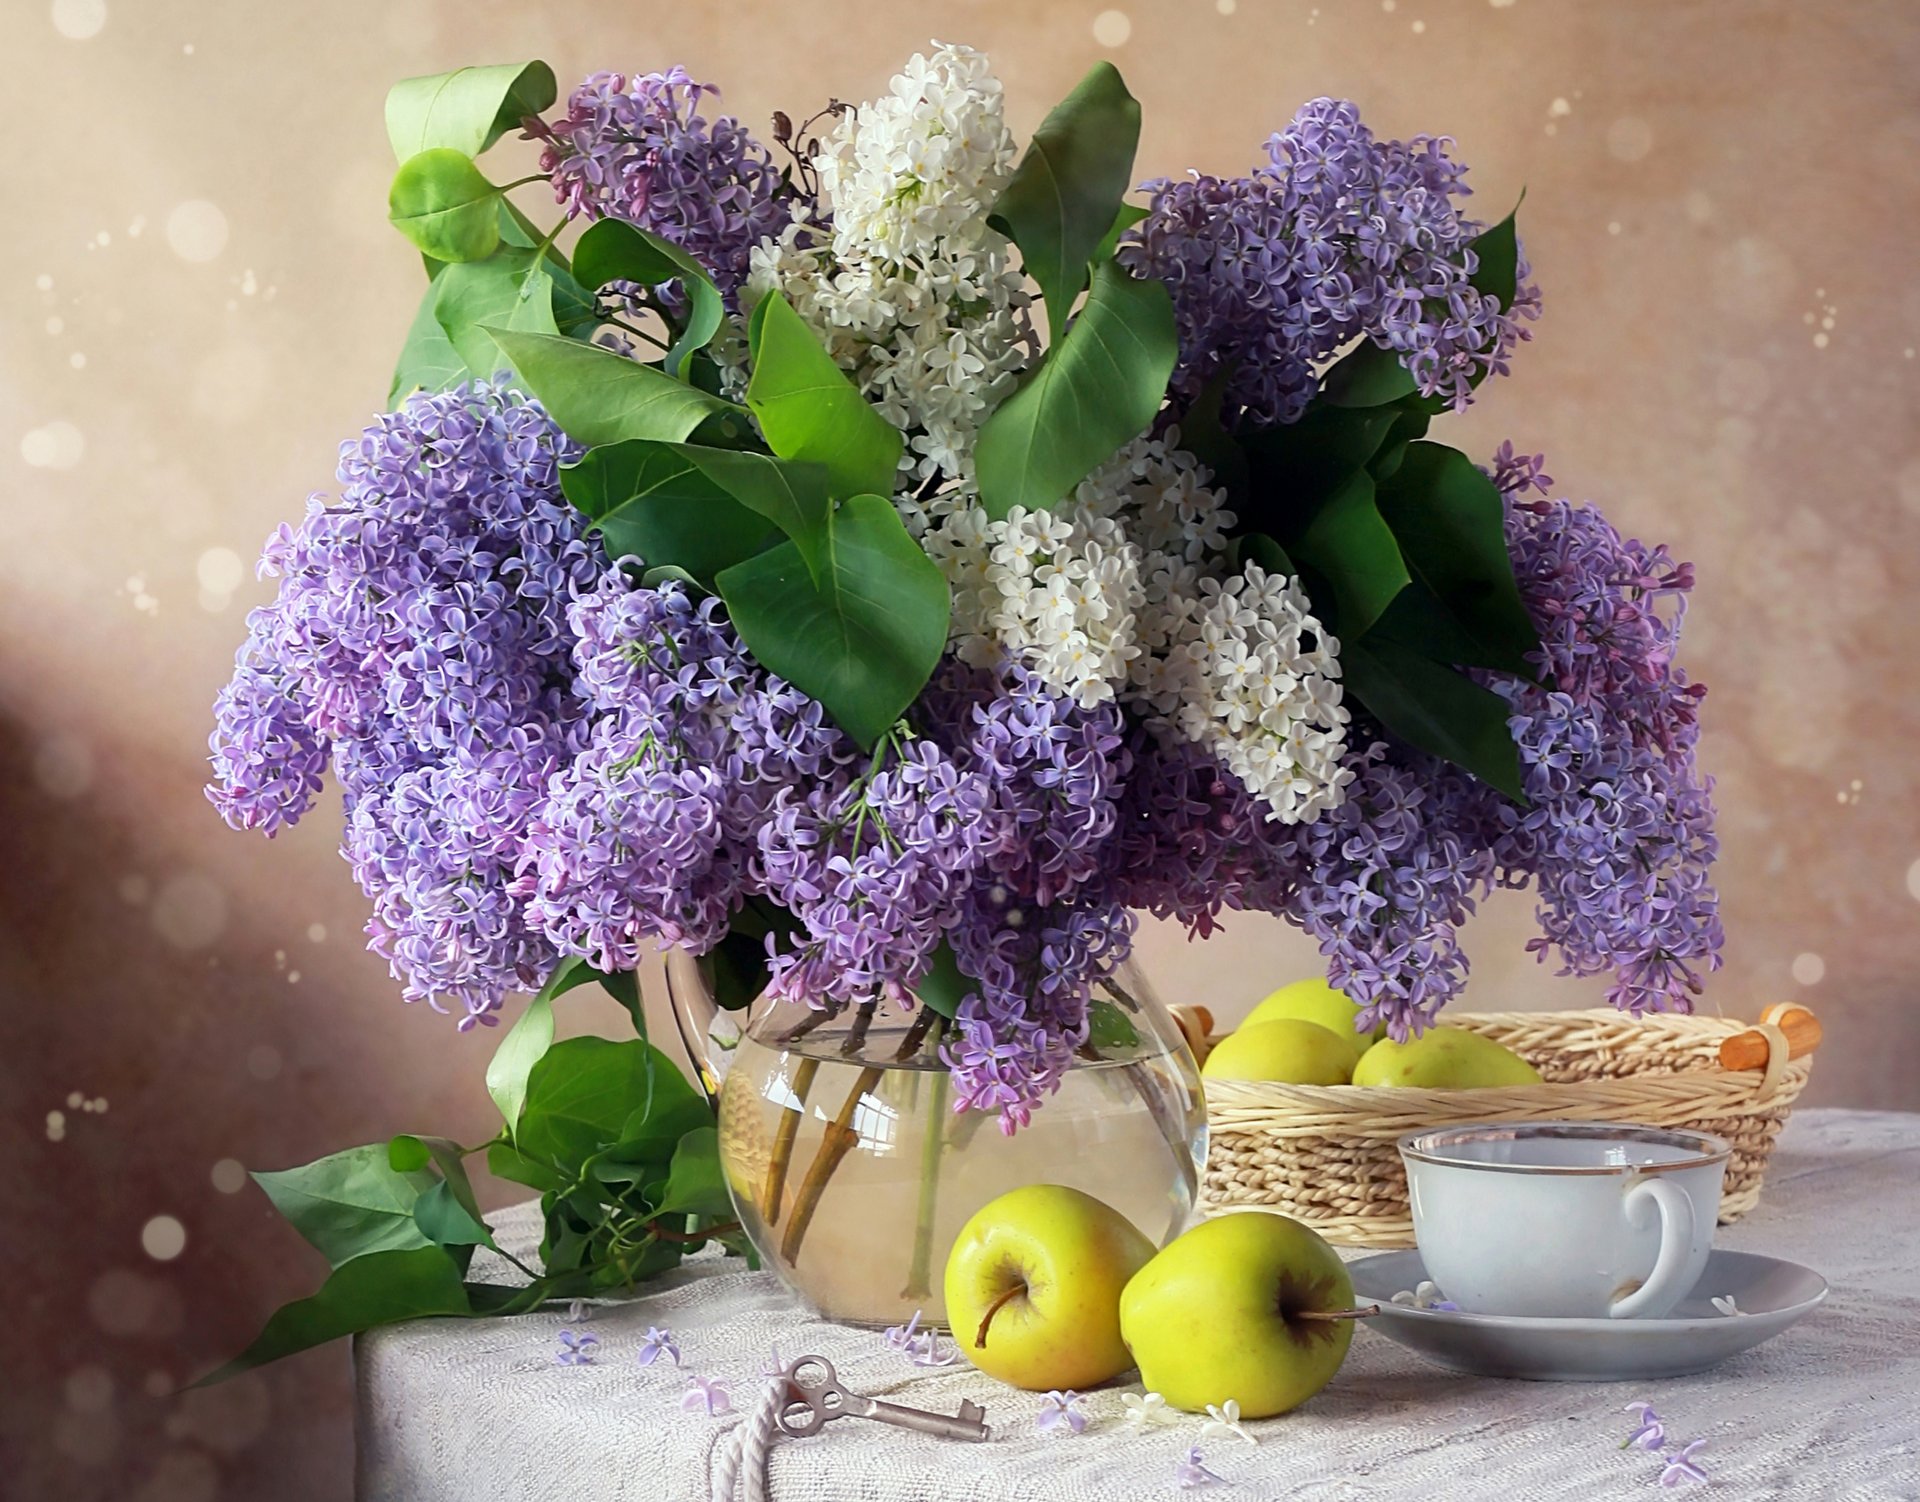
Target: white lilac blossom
{"type": "Point", "coordinates": [1424, 1295]}
{"type": "Point", "coordinates": [1146, 1411]}
{"type": "Point", "coordinates": [1190, 1472]}
{"type": "Point", "coordinates": [1725, 1305]}
{"type": "Point", "coordinates": [707, 1395]}
{"type": "Point", "coordinates": [1120, 594]}
{"type": "Point", "coordinates": [911, 291]}
{"type": "Point", "coordinates": [1061, 1412]}
{"type": "Point", "coordinates": [1223, 1422]}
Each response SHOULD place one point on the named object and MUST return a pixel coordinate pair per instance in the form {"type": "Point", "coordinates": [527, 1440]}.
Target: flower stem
{"type": "Point", "coordinates": [837, 1143]}
{"type": "Point", "coordinates": [774, 1189]}
{"type": "Point", "coordinates": [920, 1268]}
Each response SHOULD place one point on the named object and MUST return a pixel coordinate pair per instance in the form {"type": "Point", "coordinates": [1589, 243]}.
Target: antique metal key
{"type": "Point", "coordinates": [815, 1398]}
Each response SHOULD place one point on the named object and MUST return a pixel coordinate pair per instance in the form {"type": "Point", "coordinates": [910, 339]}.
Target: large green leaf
{"type": "Point", "coordinates": [1097, 388]}
{"type": "Point", "coordinates": [506, 290]}
{"type": "Point", "coordinates": [468, 109]}
{"type": "Point", "coordinates": [614, 251]}
{"type": "Point", "coordinates": [808, 408]}
{"type": "Point", "coordinates": [525, 1043]}
{"type": "Point", "coordinates": [865, 636]}
{"type": "Point", "coordinates": [428, 361]}
{"type": "Point", "coordinates": [376, 1289]}
{"type": "Point", "coordinates": [350, 1203]}
{"type": "Point", "coordinates": [1203, 434]}
{"type": "Point", "coordinates": [651, 500]}
{"type": "Point", "coordinates": [736, 968]}
{"type": "Point", "coordinates": [1465, 606]}
{"type": "Point", "coordinates": [945, 985]}
{"type": "Point", "coordinates": [445, 205]}
{"type": "Point", "coordinates": [695, 1183]}
{"type": "Point", "coordinates": [586, 1095]}
{"type": "Point", "coordinates": [1435, 708]}
{"type": "Point", "coordinates": [1064, 197]}
{"type": "Point", "coordinates": [1348, 544]}
{"type": "Point", "coordinates": [600, 397]}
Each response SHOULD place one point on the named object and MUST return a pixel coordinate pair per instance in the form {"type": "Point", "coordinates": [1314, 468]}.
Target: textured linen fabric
{"type": "Point", "coordinates": [453, 1410]}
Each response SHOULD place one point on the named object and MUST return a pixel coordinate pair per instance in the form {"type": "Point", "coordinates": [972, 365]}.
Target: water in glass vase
{"type": "Point", "coordinates": [853, 1174]}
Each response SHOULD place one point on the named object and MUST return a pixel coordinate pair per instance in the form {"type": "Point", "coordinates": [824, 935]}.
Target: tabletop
{"type": "Point", "coordinates": [453, 1410]}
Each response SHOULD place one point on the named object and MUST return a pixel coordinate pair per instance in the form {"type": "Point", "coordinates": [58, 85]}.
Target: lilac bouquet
{"type": "Point", "coordinates": [757, 579]}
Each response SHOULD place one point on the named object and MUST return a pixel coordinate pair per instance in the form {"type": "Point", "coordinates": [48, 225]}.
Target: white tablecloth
{"type": "Point", "coordinates": [460, 1411]}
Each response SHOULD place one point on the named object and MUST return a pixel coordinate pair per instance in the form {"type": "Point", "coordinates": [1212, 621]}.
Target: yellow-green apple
{"type": "Point", "coordinates": [1296, 1052]}
{"type": "Point", "coordinates": [1444, 1058]}
{"type": "Point", "coordinates": [1315, 999]}
{"type": "Point", "coordinates": [1033, 1287]}
{"type": "Point", "coordinates": [1251, 1306]}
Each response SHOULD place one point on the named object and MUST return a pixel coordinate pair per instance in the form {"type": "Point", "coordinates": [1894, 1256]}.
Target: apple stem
{"type": "Point", "coordinates": [980, 1339]}
{"type": "Point", "coordinates": [1365, 1311]}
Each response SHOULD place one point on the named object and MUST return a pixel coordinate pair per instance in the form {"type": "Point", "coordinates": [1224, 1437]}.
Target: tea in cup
{"type": "Point", "coordinates": [1564, 1219]}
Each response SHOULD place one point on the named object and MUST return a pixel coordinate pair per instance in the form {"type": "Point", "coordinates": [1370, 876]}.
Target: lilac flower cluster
{"type": "Point", "coordinates": [647, 837]}
{"type": "Point", "coordinates": [638, 149]}
{"type": "Point", "coordinates": [1339, 236]}
{"type": "Point", "coordinates": [419, 640]}
{"type": "Point", "coordinates": [1619, 837]}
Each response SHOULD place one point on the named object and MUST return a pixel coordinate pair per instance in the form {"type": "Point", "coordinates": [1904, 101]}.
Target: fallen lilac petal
{"type": "Point", "coordinates": [1190, 1472]}
{"type": "Point", "coordinates": [1680, 1467]}
{"type": "Point", "coordinates": [1060, 1410]}
{"type": "Point", "coordinates": [657, 1343]}
{"type": "Point", "coordinates": [707, 1395]}
{"type": "Point", "coordinates": [576, 1350]}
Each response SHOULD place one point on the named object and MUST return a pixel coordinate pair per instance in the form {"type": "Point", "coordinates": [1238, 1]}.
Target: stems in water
{"type": "Point", "coordinates": [920, 1268]}
{"type": "Point", "coordinates": [774, 1189]}
{"type": "Point", "coordinates": [837, 1143]}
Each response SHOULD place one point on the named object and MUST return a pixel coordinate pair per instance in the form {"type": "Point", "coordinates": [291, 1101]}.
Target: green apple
{"type": "Point", "coordinates": [1251, 1306]}
{"type": "Point", "coordinates": [1444, 1058]}
{"type": "Point", "coordinates": [1291, 1051]}
{"type": "Point", "coordinates": [1315, 1000]}
{"type": "Point", "coordinates": [1033, 1287]}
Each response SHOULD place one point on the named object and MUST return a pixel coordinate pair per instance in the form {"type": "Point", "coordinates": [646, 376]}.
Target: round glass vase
{"type": "Point", "coordinates": [853, 1174]}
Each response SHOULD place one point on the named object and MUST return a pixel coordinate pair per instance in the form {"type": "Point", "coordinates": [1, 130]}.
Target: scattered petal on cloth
{"type": "Point", "coordinates": [1680, 1467]}
{"type": "Point", "coordinates": [1424, 1296]}
{"type": "Point", "coordinates": [1725, 1304]}
{"type": "Point", "coordinates": [657, 1344]}
{"type": "Point", "coordinates": [1147, 1410]}
{"type": "Point", "coordinates": [778, 1367]}
{"type": "Point", "coordinates": [1224, 1421]}
{"type": "Point", "coordinates": [707, 1395]}
{"type": "Point", "coordinates": [576, 1350]}
{"type": "Point", "coordinates": [1189, 1472]}
{"type": "Point", "coordinates": [921, 1347]}
{"type": "Point", "coordinates": [579, 1311]}
{"type": "Point", "coordinates": [1061, 1410]}
{"type": "Point", "coordinates": [1652, 1433]}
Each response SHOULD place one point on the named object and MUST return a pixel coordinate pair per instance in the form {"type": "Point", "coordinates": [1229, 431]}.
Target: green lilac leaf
{"type": "Point", "coordinates": [599, 397]}
{"type": "Point", "coordinates": [614, 251]}
{"type": "Point", "coordinates": [945, 985]}
{"type": "Point", "coordinates": [695, 1183]}
{"type": "Point", "coordinates": [350, 1203]}
{"type": "Point", "coordinates": [1063, 199]}
{"type": "Point", "coordinates": [651, 500]}
{"type": "Point", "coordinates": [1349, 545]}
{"type": "Point", "coordinates": [428, 361]}
{"type": "Point", "coordinates": [1098, 388]}
{"type": "Point", "coordinates": [1435, 708]}
{"type": "Point", "coordinates": [445, 205]}
{"type": "Point", "coordinates": [1450, 523]}
{"type": "Point", "coordinates": [458, 1223]}
{"type": "Point", "coordinates": [380, 1288]}
{"type": "Point", "coordinates": [506, 290]}
{"type": "Point", "coordinates": [1108, 1027]}
{"type": "Point", "coordinates": [808, 408]}
{"type": "Point", "coordinates": [1124, 219]}
{"type": "Point", "coordinates": [586, 1095]}
{"type": "Point", "coordinates": [468, 109]}
{"type": "Point", "coordinates": [865, 636]}
{"type": "Point", "coordinates": [526, 1042]}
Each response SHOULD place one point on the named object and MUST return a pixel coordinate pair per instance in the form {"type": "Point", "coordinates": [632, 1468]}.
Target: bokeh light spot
{"type": "Point", "coordinates": [1809, 968]}
{"type": "Point", "coordinates": [163, 1238]}
{"type": "Point", "coordinates": [197, 230]}
{"type": "Point", "coordinates": [1111, 28]}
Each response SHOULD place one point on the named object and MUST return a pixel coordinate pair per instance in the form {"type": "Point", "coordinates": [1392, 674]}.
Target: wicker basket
{"type": "Point", "coordinates": [1325, 1154]}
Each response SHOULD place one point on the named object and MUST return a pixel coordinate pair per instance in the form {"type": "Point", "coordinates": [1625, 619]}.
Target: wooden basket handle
{"type": "Point", "coordinates": [1753, 1048]}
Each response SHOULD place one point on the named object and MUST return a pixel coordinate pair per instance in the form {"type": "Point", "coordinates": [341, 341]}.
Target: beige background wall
{"type": "Point", "coordinates": [199, 299]}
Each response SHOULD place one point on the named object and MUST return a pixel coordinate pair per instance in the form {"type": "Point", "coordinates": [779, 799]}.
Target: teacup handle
{"type": "Point", "coordinates": [1676, 1242]}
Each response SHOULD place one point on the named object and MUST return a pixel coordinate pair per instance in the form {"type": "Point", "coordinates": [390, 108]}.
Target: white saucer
{"type": "Point", "coordinates": [1770, 1294]}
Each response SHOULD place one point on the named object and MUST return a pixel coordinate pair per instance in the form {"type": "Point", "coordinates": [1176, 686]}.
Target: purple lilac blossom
{"type": "Point", "coordinates": [1339, 236]}
{"type": "Point", "coordinates": [576, 1350]}
{"type": "Point", "coordinates": [658, 1345]}
{"type": "Point", "coordinates": [419, 639]}
{"type": "Point", "coordinates": [1190, 1471]}
{"type": "Point", "coordinates": [1061, 1411]}
{"type": "Point", "coordinates": [1619, 837]}
{"type": "Point", "coordinates": [638, 149]}
{"type": "Point", "coordinates": [1679, 1468]}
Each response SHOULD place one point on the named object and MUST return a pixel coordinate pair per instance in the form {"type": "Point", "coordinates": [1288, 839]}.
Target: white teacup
{"type": "Point", "coordinates": [1564, 1219]}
